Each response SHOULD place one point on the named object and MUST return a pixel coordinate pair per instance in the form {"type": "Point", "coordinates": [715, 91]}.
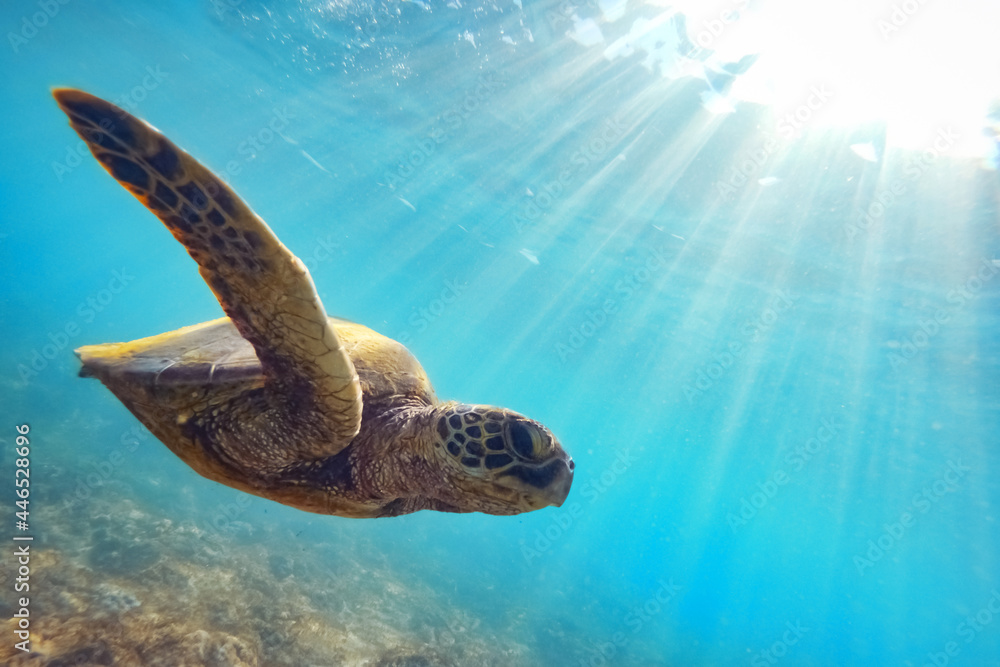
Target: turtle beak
{"type": "Point", "coordinates": [539, 486]}
{"type": "Point", "coordinates": [558, 489]}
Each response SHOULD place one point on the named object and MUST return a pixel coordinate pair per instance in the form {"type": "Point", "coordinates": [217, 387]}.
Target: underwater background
{"type": "Point", "coordinates": [768, 339]}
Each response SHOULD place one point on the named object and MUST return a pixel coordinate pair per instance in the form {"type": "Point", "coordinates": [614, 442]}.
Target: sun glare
{"type": "Point", "coordinates": [918, 66]}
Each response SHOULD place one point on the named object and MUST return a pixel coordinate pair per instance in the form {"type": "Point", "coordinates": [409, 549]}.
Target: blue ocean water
{"type": "Point", "coordinates": [771, 349]}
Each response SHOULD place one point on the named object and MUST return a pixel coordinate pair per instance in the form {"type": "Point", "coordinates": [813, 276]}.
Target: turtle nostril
{"type": "Point", "coordinates": [572, 466]}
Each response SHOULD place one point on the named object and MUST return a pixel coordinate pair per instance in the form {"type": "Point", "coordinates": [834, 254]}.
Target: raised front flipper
{"type": "Point", "coordinates": [262, 286]}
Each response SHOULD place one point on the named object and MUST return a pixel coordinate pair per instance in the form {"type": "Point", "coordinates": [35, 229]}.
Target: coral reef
{"type": "Point", "coordinates": [124, 586]}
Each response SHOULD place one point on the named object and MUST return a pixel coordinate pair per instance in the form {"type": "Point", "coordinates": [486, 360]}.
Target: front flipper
{"type": "Point", "coordinates": [262, 286]}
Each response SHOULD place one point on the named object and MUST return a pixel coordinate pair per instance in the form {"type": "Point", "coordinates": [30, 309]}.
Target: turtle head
{"type": "Point", "coordinates": [501, 462]}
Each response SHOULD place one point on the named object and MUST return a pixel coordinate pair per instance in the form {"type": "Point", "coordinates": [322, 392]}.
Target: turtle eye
{"type": "Point", "coordinates": [525, 441]}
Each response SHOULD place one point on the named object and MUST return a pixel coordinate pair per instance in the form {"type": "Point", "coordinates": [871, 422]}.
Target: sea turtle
{"type": "Point", "coordinates": [277, 399]}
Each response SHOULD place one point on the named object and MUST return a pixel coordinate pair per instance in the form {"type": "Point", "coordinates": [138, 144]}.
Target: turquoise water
{"type": "Point", "coordinates": [772, 351]}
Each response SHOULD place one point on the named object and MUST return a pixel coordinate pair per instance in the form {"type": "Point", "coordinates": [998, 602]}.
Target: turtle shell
{"type": "Point", "coordinates": [215, 354]}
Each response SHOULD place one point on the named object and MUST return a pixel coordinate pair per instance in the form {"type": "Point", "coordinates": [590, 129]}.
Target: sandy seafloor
{"type": "Point", "coordinates": [770, 346]}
